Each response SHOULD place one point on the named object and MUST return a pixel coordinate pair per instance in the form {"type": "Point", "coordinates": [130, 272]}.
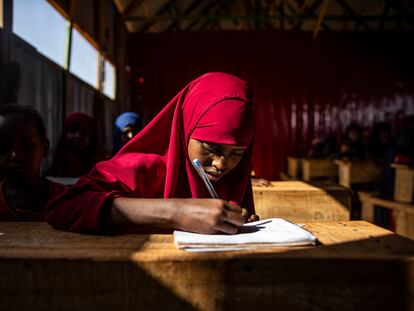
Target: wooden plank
{"type": "Point", "coordinates": [404, 183]}
{"type": "Point", "coordinates": [358, 267]}
{"type": "Point", "coordinates": [298, 201]}
{"type": "Point", "coordinates": [318, 168]}
{"type": "Point", "coordinates": [358, 172]}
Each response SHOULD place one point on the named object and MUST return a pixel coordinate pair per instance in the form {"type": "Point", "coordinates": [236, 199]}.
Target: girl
{"type": "Point", "coordinates": [23, 145]}
{"type": "Point", "coordinates": [127, 125]}
{"type": "Point", "coordinates": [151, 182]}
{"type": "Point", "coordinates": [78, 149]}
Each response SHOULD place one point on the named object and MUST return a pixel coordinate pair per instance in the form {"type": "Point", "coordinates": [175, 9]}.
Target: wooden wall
{"type": "Point", "coordinates": [54, 91]}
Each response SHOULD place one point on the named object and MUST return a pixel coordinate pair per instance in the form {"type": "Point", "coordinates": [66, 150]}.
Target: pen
{"type": "Point", "coordinates": [200, 171]}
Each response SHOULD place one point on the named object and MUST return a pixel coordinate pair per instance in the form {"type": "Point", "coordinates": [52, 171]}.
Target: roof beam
{"type": "Point", "coordinates": [358, 18]}
{"type": "Point", "coordinates": [132, 5]}
{"type": "Point", "coordinates": [211, 20]}
{"type": "Point", "coordinates": [161, 11]}
{"type": "Point", "coordinates": [215, 19]}
{"type": "Point", "coordinates": [402, 11]}
{"type": "Point", "coordinates": [206, 10]}
{"type": "Point", "coordinates": [187, 12]}
{"type": "Point", "coordinates": [384, 14]}
{"type": "Point", "coordinates": [310, 12]}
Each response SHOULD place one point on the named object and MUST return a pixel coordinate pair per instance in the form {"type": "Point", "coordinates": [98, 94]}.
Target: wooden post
{"type": "Point", "coordinates": [404, 183]}
{"type": "Point", "coordinates": [401, 222]}
{"type": "Point", "coordinates": [367, 212]}
{"type": "Point", "coordinates": [6, 51]}
{"type": "Point", "coordinates": [294, 167]}
{"type": "Point", "coordinates": [344, 173]}
{"type": "Point", "coordinates": [7, 32]}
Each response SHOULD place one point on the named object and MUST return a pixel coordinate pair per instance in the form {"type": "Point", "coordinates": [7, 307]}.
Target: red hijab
{"type": "Point", "coordinates": [215, 107]}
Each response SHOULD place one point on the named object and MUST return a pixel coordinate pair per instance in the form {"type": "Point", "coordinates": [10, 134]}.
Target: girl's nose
{"type": "Point", "coordinates": [220, 163]}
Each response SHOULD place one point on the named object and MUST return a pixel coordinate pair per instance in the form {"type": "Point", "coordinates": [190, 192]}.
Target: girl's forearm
{"type": "Point", "coordinates": [132, 212]}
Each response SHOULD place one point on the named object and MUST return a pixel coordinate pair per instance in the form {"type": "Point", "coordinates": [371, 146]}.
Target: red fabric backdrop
{"type": "Point", "coordinates": [303, 88]}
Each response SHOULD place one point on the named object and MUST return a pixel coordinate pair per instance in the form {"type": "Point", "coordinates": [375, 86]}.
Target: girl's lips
{"type": "Point", "coordinates": [213, 176]}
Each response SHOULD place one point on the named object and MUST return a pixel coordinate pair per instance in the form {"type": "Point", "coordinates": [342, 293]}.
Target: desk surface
{"type": "Point", "coordinates": [357, 266]}
{"type": "Point", "coordinates": [298, 201]}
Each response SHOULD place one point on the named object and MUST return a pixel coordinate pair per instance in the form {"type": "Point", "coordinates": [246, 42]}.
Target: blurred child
{"type": "Point", "coordinates": [78, 149]}
{"type": "Point", "coordinates": [127, 125]}
{"type": "Point", "coordinates": [352, 146]}
{"type": "Point", "coordinates": [379, 141]}
{"type": "Point", "coordinates": [404, 142]}
{"type": "Point", "coordinates": [23, 144]}
{"type": "Point", "coordinates": [322, 148]}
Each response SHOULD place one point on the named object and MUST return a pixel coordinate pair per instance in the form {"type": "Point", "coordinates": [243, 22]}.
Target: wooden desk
{"type": "Point", "coordinates": [404, 183]}
{"type": "Point", "coordinates": [298, 201]}
{"type": "Point", "coordinates": [358, 172]}
{"type": "Point", "coordinates": [358, 267]}
{"type": "Point", "coordinates": [403, 212]}
{"type": "Point", "coordinates": [318, 168]}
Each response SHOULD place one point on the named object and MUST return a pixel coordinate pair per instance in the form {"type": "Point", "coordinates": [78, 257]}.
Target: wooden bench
{"type": "Point", "coordinates": [319, 168]}
{"type": "Point", "coordinates": [298, 201]}
{"type": "Point", "coordinates": [404, 183]}
{"type": "Point", "coordinates": [358, 172]}
{"type": "Point", "coordinates": [403, 212]}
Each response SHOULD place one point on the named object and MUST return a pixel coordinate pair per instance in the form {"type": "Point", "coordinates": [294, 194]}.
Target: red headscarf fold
{"type": "Point", "coordinates": [216, 108]}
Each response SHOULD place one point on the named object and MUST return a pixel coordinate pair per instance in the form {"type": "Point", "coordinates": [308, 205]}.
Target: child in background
{"type": "Point", "coordinates": [380, 142]}
{"type": "Point", "coordinates": [23, 144]}
{"type": "Point", "coordinates": [127, 125]}
{"type": "Point", "coordinates": [78, 149]}
{"type": "Point", "coordinates": [352, 146]}
{"type": "Point", "coordinates": [403, 152]}
{"type": "Point", "coordinates": [323, 148]}
{"type": "Point", "coordinates": [151, 183]}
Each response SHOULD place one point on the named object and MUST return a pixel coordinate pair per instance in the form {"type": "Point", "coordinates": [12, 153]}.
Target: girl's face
{"type": "Point", "coordinates": [216, 159]}
{"type": "Point", "coordinates": [21, 148]}
{"type": "Point", "coordinates": [354, 135]}
{"type": "Point", "coordinates": [79, 137]}
{"type": "Point", "coordinates": [128, 132]}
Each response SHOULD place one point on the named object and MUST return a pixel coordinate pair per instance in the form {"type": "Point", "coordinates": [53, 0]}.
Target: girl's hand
{"type": "Point", "coordinates": [249, 218]}
{"type": "Point", "coordinates": [253, 217]}
{"type": "Point", "coordinates": [260, 182]}
{"type": "Point", "coordinates": [207, 216]}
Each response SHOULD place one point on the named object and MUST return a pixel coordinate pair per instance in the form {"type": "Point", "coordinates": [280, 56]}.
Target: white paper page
{"type": "Point", "coordinates": [273, 230]}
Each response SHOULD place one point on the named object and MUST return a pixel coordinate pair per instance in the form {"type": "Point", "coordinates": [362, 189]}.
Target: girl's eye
{"type": "Point", "coordinates": [210, 148]}
{"type": "Point", "coordinates": [237, 154]}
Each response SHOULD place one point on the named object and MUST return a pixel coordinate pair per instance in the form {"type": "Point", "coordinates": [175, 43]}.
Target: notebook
{"type": "Point", "coordinates": [272, 232]}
